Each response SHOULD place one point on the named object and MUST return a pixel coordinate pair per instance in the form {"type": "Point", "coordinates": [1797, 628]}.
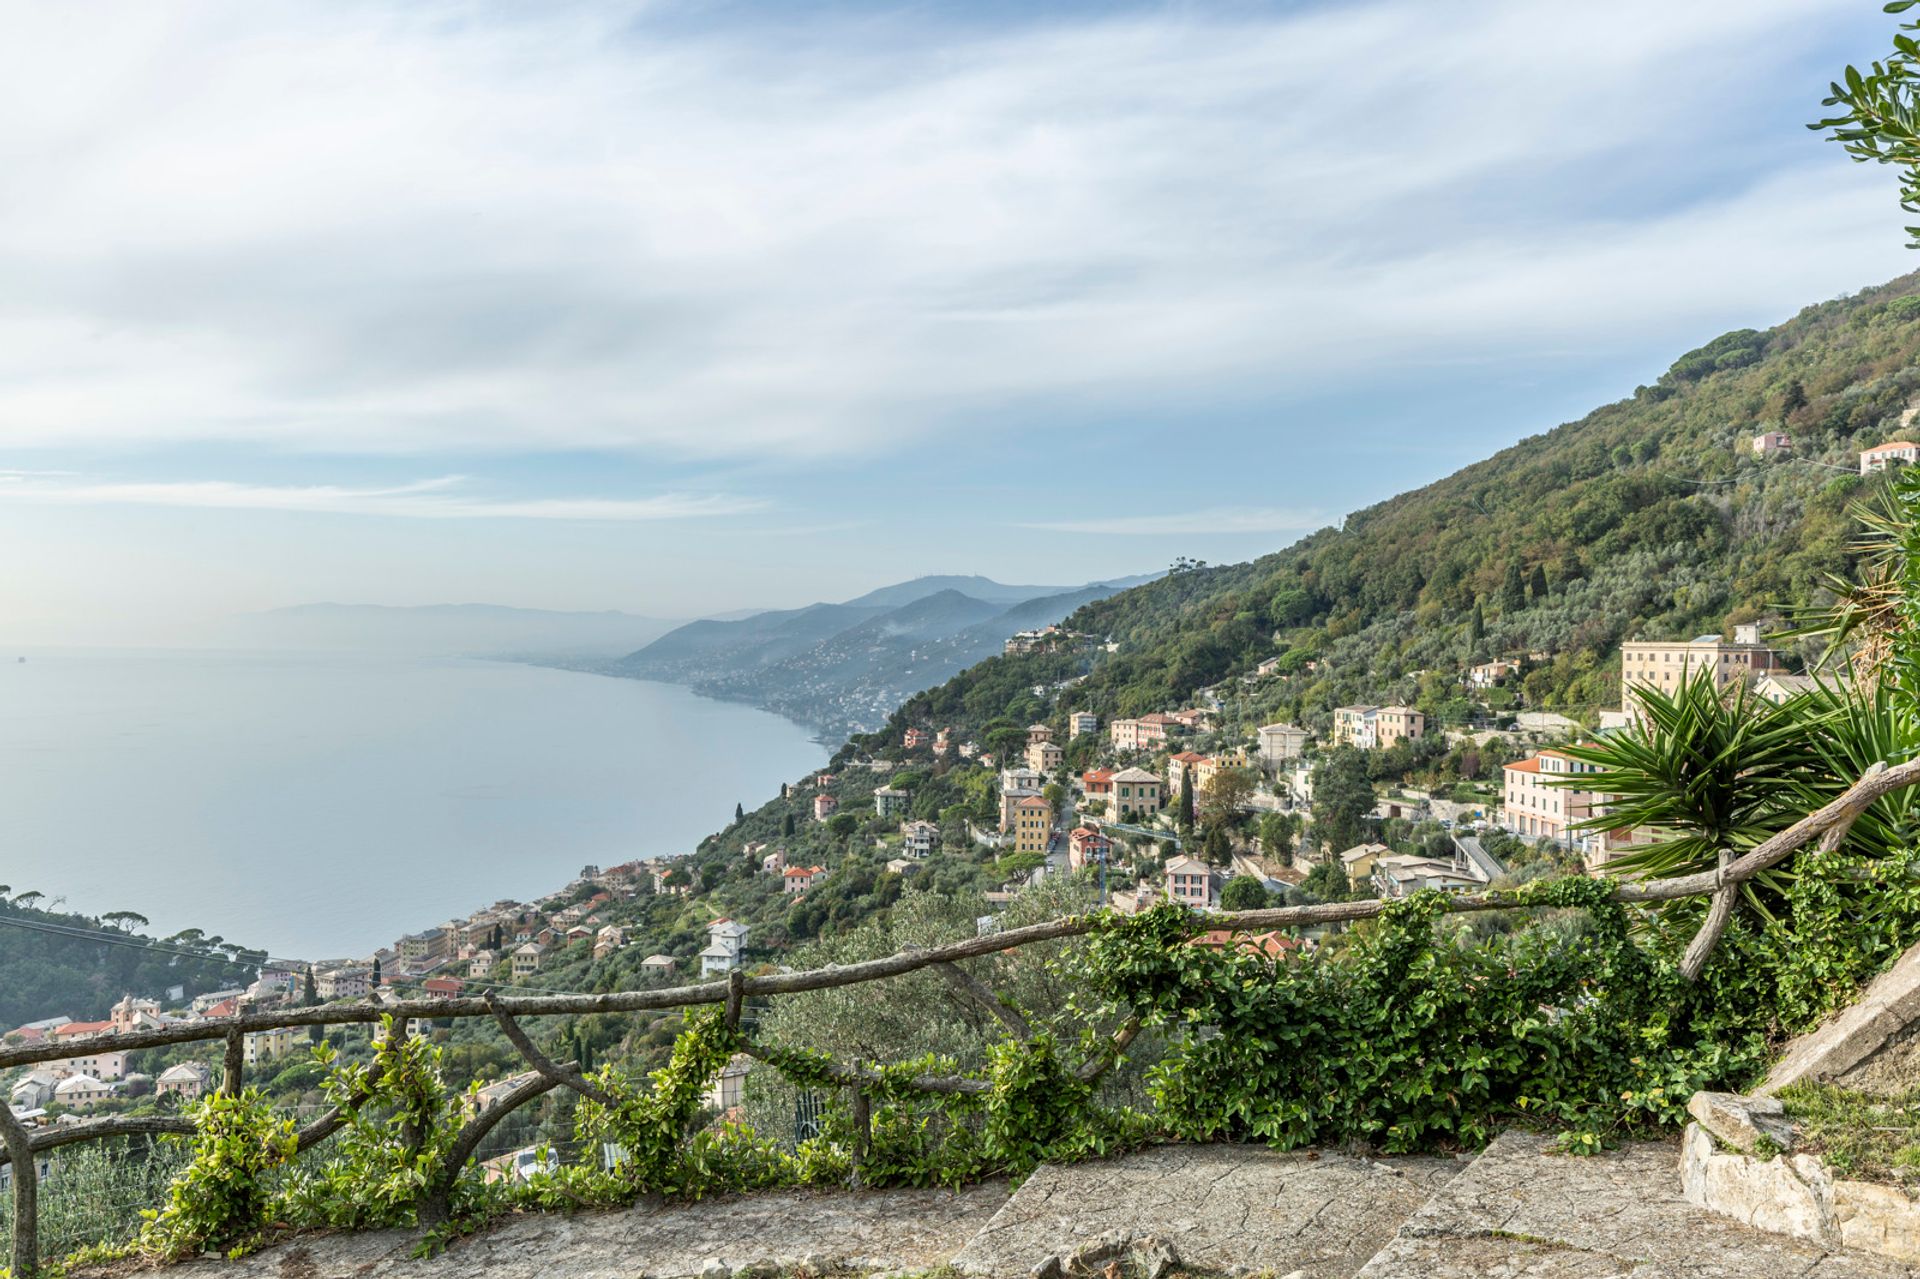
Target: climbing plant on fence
{"type": "Point", "coordinates": [1410, 1036]}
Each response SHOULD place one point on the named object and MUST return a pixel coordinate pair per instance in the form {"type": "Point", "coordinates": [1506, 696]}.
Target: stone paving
{"type": "Point", "coordinates": [858, 1231]}
{"type": "Point", "coordinates": [1519, 1211]}
{"type": "Point", "coordinates": [1226, 1208]}
{"type": "Point", "coordinates": [1522, 1211]}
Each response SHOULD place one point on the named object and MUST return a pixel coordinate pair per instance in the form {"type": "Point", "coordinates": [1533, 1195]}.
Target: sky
{"type": "Point", "coordinates": [682, 307]}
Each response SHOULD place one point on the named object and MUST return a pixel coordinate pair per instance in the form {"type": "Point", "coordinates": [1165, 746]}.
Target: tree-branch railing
{"type": "Point", "coordinates": [18, 1144]}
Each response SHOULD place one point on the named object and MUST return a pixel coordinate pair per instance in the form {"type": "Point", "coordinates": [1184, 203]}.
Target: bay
{"type": "Point", "coordinates": [321, 806]}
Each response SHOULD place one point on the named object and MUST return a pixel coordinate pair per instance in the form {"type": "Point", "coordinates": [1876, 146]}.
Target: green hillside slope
{"type": "Point", "coordinates": [1649, 517]}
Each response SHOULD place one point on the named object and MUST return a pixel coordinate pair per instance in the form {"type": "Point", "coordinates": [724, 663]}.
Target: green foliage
{"type": "Point", "coordinates": [1409, 1040]}
{"type": "Point", "coordinates": [1880, 117]}
{"type": "Point", "coordinates": [220, 1199]}
{"type": "Point", "coordinates": [1857, 1135]}
{"type": "Point", "coordinates": [400, 1128]}
{"type": "Point", "coordinates": [1243, 892]}
{"type": "Point", "coordinates": [1713, 770]}
{"type": "Point", "coordinates": [652, 1123]}
{"type": "Point", "coordinates": [84, 964]}
{"type": "Point", "coordinates": [1342, 798]}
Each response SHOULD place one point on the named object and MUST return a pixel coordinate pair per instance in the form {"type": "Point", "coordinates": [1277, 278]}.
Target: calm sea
{"type": "Point", "coordinates": [321, 806]}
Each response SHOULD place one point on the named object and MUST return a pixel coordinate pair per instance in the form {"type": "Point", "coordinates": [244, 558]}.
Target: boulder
{"type": "Point", "coordinates": [1745, 1123]}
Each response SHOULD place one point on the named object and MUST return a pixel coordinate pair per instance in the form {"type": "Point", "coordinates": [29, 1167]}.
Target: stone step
{"type": "Point", "coordinates": [1234, 1209]}
{"type": "Point", "coordinates": [1522, 1210]}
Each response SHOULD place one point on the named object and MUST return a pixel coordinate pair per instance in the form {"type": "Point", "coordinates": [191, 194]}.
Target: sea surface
{"type": "Point", "coordinates": [321, 806]}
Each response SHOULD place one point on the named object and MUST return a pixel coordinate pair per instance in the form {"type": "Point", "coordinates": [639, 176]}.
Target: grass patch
{"type": "Point", "coordinates": [1857, 1135]}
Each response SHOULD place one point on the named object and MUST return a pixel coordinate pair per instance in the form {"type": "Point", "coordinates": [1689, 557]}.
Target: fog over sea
{"type": "Point", "coordinates": [320, 806]}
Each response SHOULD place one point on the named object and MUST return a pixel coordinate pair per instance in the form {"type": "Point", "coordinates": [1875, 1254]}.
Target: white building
{"type": "Point", "coordinates": [1280, 743]}
{"type": "Point", "coordinates": [919, 839]}
{"type": "Point", "coordinates": [1892, 453]}
{"type": "Point", "coordinates": [726, 939]}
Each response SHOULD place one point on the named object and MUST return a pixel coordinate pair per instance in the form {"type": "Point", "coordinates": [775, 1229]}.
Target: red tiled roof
{"type": "Point", "coordinates": [85, 1028]}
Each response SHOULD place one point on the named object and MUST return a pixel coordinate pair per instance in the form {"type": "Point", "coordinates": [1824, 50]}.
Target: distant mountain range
{"type": "Point", "coordinates": [435, 630]}
{"type": "Point", "coordinates": [844, 667]}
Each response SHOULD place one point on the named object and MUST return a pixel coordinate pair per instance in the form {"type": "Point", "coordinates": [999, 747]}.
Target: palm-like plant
{"type": "Point", "coordinates": [1712, 770]}
{"type": "Point", "coordinates": [1873, 624]}
{"type": "Point", "coordinates": [1707, 770]}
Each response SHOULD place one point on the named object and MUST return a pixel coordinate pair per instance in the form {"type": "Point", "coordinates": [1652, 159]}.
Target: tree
{"type": "Point", "coordinates": [1216, 848]}
{"type": "Point", "coordinates": [1328, 881]}
{"type": "Point", "coordinates": [1225, 792]}
{"type": "Point", "coordinates": [1185, 811]}
{"type": "Point", "coordinates": [375, 979]}
{"type": "Point", "coordinates": [842, 825]}
{"type": "Point", "coordinates": [1276, 836]}
{"type": "Point", "coordinates": [1477, 628]}
{"type": "Point", "coordinates": [1881, 111]}
{"type": "Point", "coordinates": [1537, 584]}
{"type": "Point", "coordinates": [1793, 400]}
{"type": "Point", "coordinates": [1513, 592]}
{"type": "Point", "coordinates": [1342, 798]}
{"type": "Point", "coordinates": [1243, 892]}
{"type": "Point", "coordinates": [786, 826]}
{"type": "Point", "coordinates": [125, 920]}
{"type": "Point", "coordinates": [739, 813]}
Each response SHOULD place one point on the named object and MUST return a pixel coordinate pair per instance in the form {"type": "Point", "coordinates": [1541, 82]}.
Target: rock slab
{"type": "Point", "coordinates": [1798, 1195]}
{"type": "Point", "coordinates": [1523, 1210]}
{"type": "Point", "coordinates": [1234, 1209]}
{"type": "Point", "coordinates": [1870, 1046]}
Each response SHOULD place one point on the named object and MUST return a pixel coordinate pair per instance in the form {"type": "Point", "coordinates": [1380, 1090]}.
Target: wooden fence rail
{"type": "Point", "coordinates": [18, 1145]}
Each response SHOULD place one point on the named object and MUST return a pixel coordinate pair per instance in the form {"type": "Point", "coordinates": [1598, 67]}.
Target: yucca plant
{"type": "Point", "coordinates": [1707, 769]}
{"type": "Point", "coordinates": [1871, 630]}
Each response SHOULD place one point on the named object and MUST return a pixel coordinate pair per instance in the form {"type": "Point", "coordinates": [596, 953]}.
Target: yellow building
{"type": "Point", "coordinates": [1032, 824]}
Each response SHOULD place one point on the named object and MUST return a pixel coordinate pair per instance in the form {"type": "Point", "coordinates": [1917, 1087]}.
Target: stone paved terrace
{"type": "Point", "coordinates": [1516, 1212]}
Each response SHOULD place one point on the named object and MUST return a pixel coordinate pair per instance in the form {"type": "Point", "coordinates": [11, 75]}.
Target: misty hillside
{"type": "Point", "coordinates": [844, 667]}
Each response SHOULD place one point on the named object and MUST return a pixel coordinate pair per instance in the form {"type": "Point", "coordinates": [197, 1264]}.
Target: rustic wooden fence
{"type": "Point", "coordinates": [1829, 824]}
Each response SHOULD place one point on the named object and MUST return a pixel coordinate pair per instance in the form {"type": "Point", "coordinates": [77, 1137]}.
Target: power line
{"type": "Point", "coordinates": [74, 933]}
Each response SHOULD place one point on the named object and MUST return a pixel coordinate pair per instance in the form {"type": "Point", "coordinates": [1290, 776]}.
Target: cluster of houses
{"type": "Point", "coordinates": [91, 1076]}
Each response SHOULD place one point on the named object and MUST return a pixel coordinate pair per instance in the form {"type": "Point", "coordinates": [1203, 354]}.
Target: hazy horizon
{"type": "Point", "coordinates": [681, 309]}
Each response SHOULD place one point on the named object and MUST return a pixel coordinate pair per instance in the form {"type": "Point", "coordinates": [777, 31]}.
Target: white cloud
{"type": "Point", "coordinates": [415, 228]}
{"type": "Point", "coordinates": [439, 498]}
{"type": "Point", "coordinates": [1224, 520]}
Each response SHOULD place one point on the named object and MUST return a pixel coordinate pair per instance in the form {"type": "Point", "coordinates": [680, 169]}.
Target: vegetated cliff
{"type": "Point", "coordinates": [55, 962]}
{"type": "Point", "coordinates": [1650, 517]}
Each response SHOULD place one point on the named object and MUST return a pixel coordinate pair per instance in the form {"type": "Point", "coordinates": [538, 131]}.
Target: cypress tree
{"type": "Point", "coordinates": [1537, 586]}
{"type": "Point", "coordinates": [1186, 798]}
{"type": "Point", "coordinates": [376, 970]}
{"type": "Point", "coordinates": [739, 813]}
{"type": "Point", "coordinates": [1513, 592]}
{"type": "Point", "coordinates": [1477, 630]}
{"type": "Point", "coordinates": [786, 826]}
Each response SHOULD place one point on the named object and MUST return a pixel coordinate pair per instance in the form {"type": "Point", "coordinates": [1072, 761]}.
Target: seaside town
{"type": "Point", "coordinates": [1171, 805]}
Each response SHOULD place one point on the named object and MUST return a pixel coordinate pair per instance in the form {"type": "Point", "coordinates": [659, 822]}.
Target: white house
{"type": "Point", "coordinates": [726, 939]}
{"type": "Point", "coordinates": [81, 1092]}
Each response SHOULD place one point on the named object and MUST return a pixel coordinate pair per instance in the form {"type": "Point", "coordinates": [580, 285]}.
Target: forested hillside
{"type": "Point", "coordinates": [1649, 517]}
{"type": "Point", "coordinates": [55, 962]}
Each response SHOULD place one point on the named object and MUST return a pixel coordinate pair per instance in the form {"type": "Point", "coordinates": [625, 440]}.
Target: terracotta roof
{"type": "Point", "coordinates": [1531, 764]}
{"type": "Point", "coordinates": [1892, 444]}
{"type": "Point", "coordinates": [86, 1027]}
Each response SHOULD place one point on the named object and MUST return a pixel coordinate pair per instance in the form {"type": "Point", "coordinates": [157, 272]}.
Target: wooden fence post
{"type": "Point", "coordinates": [26, 1195]}
{"type": "Point", "coordinates": [862, 1131]}
{"type": "Point", "coordinates": [235, 1063]}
